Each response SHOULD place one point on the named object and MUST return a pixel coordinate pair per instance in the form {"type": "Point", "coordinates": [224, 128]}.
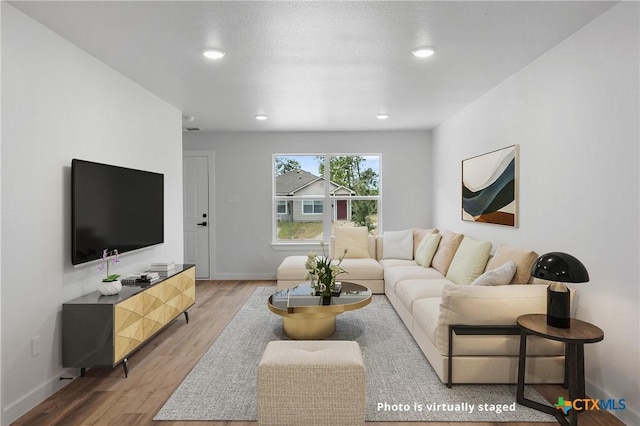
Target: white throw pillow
{"type": "Point", "coordinates": [426, 249]}
{"type": "Point", "coordinates": [499, 276]}
{"type": "Point", "coordinates": [398, 244]}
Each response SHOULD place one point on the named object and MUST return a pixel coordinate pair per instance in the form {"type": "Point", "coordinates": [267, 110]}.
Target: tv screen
{"type": "Point", "coordinates": [114, 208]}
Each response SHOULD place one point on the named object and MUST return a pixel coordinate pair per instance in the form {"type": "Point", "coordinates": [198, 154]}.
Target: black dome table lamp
{"type": "Point", "coordinates": [560, 268]}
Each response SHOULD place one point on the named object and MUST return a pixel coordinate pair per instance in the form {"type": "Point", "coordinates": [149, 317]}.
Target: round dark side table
{"type": "Point", "coordinates": [574, 338]}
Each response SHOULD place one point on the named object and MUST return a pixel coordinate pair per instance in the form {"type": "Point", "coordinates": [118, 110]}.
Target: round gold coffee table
{"type": "Point", "coordinates": [304, 317]}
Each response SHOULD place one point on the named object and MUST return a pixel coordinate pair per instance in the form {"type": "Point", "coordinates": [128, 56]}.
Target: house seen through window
{"type": "Point", "coordinates": [313, 194]}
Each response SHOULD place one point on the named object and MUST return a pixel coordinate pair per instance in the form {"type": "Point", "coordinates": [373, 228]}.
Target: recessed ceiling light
{"type": "Point", "coordinates": [382, 116]}
{"type": "Point", "coordinates": [423, 52]}
{"type": "Point", "coordinates": [261, 117]}
{"type": "Point", "coordinates": [214, 53]}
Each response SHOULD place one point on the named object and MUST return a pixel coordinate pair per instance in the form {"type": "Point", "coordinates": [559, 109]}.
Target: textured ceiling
{"type": "Point", "coordinates": [316, 66]}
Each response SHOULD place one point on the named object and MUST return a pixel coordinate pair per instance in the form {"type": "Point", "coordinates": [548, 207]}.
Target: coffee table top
{"type": "Point", "coordinates": [299, 299]}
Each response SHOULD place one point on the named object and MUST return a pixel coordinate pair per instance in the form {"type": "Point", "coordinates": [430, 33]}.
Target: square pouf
{"type": "Point", "coordinates": [319, 382]}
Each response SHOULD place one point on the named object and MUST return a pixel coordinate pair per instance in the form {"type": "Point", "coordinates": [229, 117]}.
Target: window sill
{"type": "Point", "coordinates": [286, 246]}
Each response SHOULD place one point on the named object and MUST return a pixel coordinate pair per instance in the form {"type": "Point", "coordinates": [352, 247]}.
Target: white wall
{"type": "Point", "coordinates": [243, 169]}
{"type": "Point", "coordinates": [60, 103]}
{"type": "Point", "coordinates": [574, 112]}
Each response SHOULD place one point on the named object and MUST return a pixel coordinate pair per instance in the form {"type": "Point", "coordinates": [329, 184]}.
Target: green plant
{"type": "Point", "coordinates": [322, 271]}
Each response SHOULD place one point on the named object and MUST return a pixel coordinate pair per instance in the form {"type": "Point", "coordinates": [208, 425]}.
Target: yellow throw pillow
{"type": "Point", "coordinates": [426, 249]}
{"type": "Point", "coordinates": [419, 234]}
{"type": "Point", "coordinates": [354, 239]}
{"type": "Point", "coordinates": [469, 261]}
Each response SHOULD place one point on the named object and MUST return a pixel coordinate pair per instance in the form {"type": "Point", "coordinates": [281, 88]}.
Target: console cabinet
{"type": "Point", "coordinates": [102, 331]}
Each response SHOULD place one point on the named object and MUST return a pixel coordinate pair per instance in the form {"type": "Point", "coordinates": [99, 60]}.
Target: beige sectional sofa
{"type": "Point", "coordinates": [431, 298]}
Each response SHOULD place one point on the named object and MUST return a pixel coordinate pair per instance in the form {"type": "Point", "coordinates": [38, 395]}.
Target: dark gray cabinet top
{"type": "Point", "coordinates": [127, 291]}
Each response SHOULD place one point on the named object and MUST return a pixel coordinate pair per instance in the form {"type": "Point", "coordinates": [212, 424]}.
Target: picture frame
{"type": "Point", "coordinates": [490, 187]}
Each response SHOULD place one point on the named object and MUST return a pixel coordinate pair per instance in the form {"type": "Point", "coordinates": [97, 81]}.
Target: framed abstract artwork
{"type": "Point", "coordinates": [490, 187]}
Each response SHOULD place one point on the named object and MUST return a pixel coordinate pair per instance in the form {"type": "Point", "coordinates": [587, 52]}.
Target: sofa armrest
{"type": "Point", "coordinates": [379, 247]}
{"type": "Point", "coordinates": [487, 305]}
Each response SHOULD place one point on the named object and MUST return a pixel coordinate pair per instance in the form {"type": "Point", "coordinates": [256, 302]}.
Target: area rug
{"type": "Point", "coordinates": [400, 383]}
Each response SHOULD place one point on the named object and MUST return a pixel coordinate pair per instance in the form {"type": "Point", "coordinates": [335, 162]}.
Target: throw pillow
{"type": "Point", "coordinates": [426, 249]}
{"type": "Point", "coordinates": [354, 239]}
{"type": "Point", "coordinates": [524, 260]}
{"type": "Point", "coordinates": [398, 244]}
{"type": "Point", "coordinates": [469, 261]}
{"type": "Point", "coordinates": [499, 276]}
{"type": "Point", "coordinates": [419, 234]}
{"type": "Point", "coordinates": [446, 249]}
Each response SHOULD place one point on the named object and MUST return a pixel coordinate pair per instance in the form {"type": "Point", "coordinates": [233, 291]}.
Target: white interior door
{"type": "Point", "coordinates": [197, 223]}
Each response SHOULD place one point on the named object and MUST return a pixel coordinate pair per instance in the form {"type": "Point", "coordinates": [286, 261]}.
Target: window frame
{"type": "Point", "coordinates": [329, 200]}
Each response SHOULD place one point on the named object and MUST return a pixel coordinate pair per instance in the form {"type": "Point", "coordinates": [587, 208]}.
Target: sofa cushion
{"type": "Point", "coordinates": [469, 261]}
{"type": "Point", "coordinates": [400, 273]}
{"type": "Point", "coordinates": [355, 239]}
{"type": "Point", "coordinates": [409, 291]}
{"type": "Point", "coordinates": [361, 269]}
{"type": "Point", "coordinates": [446, 250]}
{"type": "Point", "coordinates": [427, 249]}
{"type": "Point", "coordinates": [418, 236]}
{"type": "Point", "coordinates": [524, 260]}
{"type": "Point", "coordinates": [426, 313]}
{"type": "Point", "coordinates": [398, 244]}
{"type": "Point", "coordinates": [499, 276]}
{"type": "Point", "coordinates": [390, 263]}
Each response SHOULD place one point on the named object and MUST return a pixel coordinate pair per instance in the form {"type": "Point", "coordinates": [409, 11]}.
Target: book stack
{"type": "Point", "coordinates": [162, 266]}
{"type": "Point", "coordinates": [144, 277]}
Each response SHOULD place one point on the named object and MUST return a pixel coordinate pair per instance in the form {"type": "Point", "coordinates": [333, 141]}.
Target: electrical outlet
{"type": "Point", "coordinates": [35, 345]}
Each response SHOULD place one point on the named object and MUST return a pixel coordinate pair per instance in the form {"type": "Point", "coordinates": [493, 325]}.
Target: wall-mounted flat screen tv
{"type": "Point", "coordinates": [114, 208]}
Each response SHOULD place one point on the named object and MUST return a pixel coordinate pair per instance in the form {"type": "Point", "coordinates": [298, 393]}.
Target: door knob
{"type": "Point", "coordinates": [202, 224]}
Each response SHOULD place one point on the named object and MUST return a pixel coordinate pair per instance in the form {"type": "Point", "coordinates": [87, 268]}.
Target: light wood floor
{"type": "Point", "coordinates": [105, 397]}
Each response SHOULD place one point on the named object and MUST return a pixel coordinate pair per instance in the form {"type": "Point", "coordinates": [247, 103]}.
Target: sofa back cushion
{"type": "Point", "coordinates": [356, 240]}
{"type": "Point", "coordinates": [469, 260]}
{"type": "Point", "coordinates": [524, 260]}
{"type": "Point", "coordinates": [446, 250]}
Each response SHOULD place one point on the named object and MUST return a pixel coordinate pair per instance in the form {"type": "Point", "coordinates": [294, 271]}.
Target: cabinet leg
{"type": "Point", "coordinates": [125, 367]}
{"type": "Point", "coordinates": [82, 371]}
{"type": "Point", "coordinates": [186, 316]}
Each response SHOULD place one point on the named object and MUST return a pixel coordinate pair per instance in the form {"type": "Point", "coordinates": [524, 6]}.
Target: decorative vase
{"type": "Point", "coordinates": [326, 300]}
{"type": "Point", "coordinates": [109, 288]}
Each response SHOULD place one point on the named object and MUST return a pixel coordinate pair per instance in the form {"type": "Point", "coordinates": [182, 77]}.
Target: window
{"type": "Point", "coordinates": [281, 207]}
{"type": "Point", "coordinates": [307, 209]}
{"type": "Point", "coordinates": [311, 206]}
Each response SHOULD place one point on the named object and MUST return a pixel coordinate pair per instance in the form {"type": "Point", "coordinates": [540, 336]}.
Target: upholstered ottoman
{"type": "Point", "coordinates": [303, 382]}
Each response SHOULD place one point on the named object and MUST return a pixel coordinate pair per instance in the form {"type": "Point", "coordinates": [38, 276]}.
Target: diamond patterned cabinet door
{"type": "Point", "coordinates": [180, 293]}
{"type": "Point", "coordinates": [154, 312]}
{"type": "Point", "coordinates": [128, 329]}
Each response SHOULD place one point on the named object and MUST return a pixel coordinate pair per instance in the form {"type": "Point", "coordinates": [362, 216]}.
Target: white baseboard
{"type": "Point", "coordinates": [627, 416]}
{"type": "Point", "coordinates": [245, 276]}
{"type": "Point", "coordinates": [16, 409]}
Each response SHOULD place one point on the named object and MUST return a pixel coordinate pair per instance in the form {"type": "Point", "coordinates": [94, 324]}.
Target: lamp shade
{"type": "Point", "coordinates": [561, 267]}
